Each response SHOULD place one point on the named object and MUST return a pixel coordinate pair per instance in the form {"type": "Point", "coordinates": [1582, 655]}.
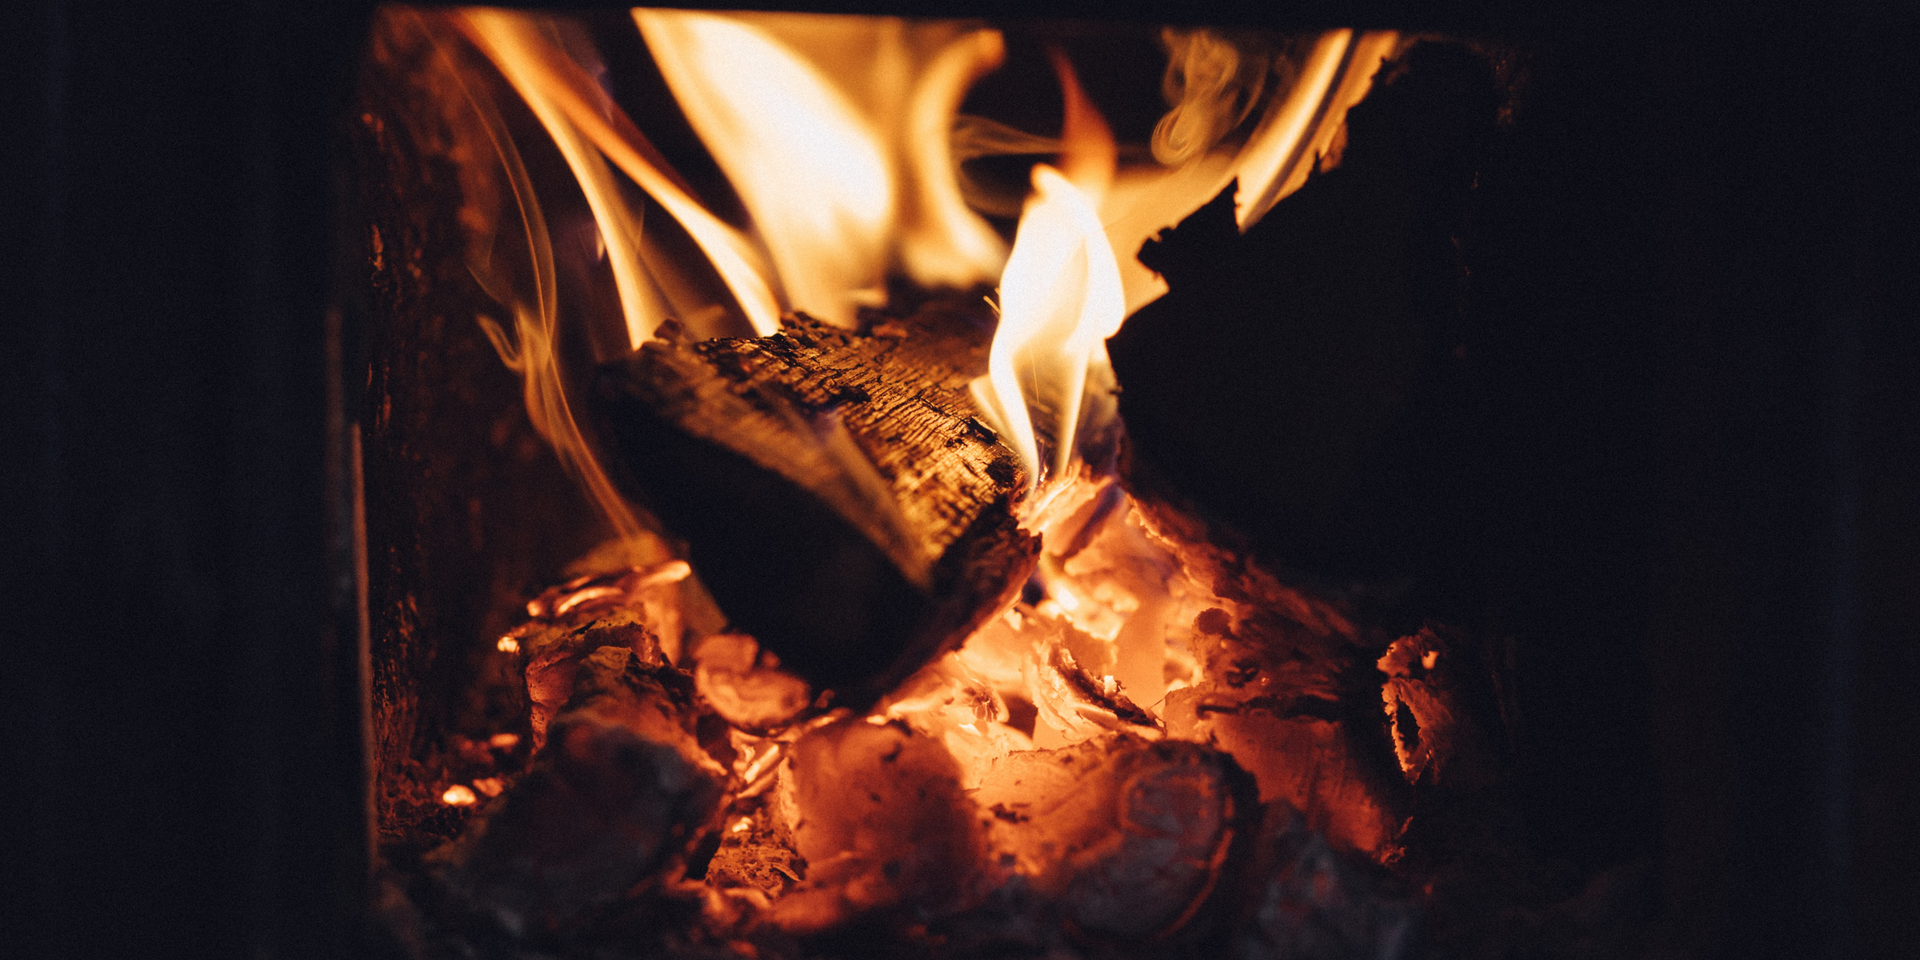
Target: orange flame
{"type": "Point", "coordinates": [842, 171]}
{"type": "Point", "coordinates": [1299, 128]}
{"type": "Point", "coordinates": [565, 98]}
{"type": "Point", "coordinates": [1060, 296]}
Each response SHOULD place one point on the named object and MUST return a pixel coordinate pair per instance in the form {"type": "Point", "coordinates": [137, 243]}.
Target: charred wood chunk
{"type": "Point", "coordinates": [1440, 735]}
{"type": "Point", "coordinates": [617, 798]}
{"type": "Point", "coordinates": [1301, 380]}
{"type": "Point", "coordinates": [1128, 837]}
{"type": "Point", "coordinates": [878, 813]}
{"type": "Point", "coordinates": [1301, 897]}
{"type": "Point", "coordinates": [556, 649]}
{"type": "Point", "coordinates": [836, 492]}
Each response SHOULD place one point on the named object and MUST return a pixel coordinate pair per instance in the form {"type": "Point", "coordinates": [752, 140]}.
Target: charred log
{"type": "Point", "coordinates": [1304, 381]}
{"type": "Point", "coordinates": [834, 489]}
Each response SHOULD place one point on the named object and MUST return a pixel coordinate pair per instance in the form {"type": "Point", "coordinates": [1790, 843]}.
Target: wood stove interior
{"type": "Point", "coordinates": [1644, 431]}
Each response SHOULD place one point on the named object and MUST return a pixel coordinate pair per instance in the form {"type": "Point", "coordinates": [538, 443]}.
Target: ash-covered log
{"type": "Point", "coordinates": [835, 490]}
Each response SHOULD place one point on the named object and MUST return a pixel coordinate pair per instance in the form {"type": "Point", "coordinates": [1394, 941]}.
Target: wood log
{"type": "Point", "coordinates": [836, 492]}
{"type": "Point", "coordinates": [1307, 381]}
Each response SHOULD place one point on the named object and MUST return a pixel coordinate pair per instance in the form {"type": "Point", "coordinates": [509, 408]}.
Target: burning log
{"type": "Point", "coordinates": [619, 796]}
{"type": "Point", "coordinates": [839, 497]}
{"type": "Point", "coordinates": [1319, 358]}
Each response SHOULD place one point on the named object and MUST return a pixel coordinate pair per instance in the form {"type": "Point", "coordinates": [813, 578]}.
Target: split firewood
{"type": "Point", "coordinates": [618, 797]}
{"type": "Point", "coordinates": [1129, 838]}
{"type": "Point", "coordinates": [835, 490]}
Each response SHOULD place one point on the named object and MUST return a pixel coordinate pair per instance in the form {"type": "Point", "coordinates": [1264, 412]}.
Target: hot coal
{"type": "Point", "coordinates": [621, 794]}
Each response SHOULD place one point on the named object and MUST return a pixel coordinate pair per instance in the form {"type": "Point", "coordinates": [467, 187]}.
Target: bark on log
{"type": "Point", "coordinates": [836, 492]}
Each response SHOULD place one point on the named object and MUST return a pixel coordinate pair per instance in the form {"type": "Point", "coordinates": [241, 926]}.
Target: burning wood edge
{"type": "Point", "coordinates": [836, 492]}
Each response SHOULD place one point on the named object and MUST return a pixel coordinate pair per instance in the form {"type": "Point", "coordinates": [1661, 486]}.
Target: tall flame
{"type": "Point", "coordinates": [843, 174]}
{"type": "Point", "coordinates": [557, 88]}
{"type": "Point", "coordinates": [1060, 296]}
{"type": "Point", "coordinates": [1299, 128]}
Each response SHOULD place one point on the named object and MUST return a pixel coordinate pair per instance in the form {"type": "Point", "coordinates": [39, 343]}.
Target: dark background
{"type": "Point", "coordinates": [1712, 448]}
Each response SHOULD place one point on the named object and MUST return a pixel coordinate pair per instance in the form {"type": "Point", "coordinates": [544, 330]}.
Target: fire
{"type": "Point", "coordinates": [1299, 129]}
{"type": "Point", "coordinates": [832, 141]}
{"type": "Point", "coordinates": [837, 141]}
{"type": "Point", "coordinates": [1060, 296]}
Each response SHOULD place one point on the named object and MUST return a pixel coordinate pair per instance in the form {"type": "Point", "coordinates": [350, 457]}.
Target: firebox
{"type": "Point", "coordinates": [640, 483]}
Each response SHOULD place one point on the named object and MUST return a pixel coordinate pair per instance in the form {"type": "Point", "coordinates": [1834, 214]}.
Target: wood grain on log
{"type": "Point", "coordinates": [836, 492]}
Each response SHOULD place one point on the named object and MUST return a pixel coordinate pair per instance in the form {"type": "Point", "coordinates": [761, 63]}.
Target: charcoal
{"type": "Point", "coordinates": [616, 800]}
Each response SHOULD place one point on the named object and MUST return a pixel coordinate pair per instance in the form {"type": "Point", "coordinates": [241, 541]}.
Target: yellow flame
{"type": "Point", "coordinates": [512, 43]}
{"type": "Point", "coordinates": [1060, 296]}
{"type": "Point", "coordinates": [942, 241]}
{"type": "Point", "coordinates": [806, 163]}
{"type": "Point", "coordinates": [1300, 127]}
{"type": "Point", "coordinates": [530, 351]}
{"type": "Point", "coordinates": [537, 71]}
{"type": "Point", "coordinates": [835, 139]}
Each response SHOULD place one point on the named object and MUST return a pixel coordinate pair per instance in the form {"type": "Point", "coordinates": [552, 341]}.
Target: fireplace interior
{"type": "Point", "coordinates": [1574, 385]}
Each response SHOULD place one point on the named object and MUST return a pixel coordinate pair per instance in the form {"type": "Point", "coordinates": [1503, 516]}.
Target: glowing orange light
{"type": "Point", "coordinates": [459, 795]}
{"type": "Point", "coordinates": [491, 786]}
{"type": "Point", "coordinates": [508, 645]}
{"type": "Point", "coordinates": [504, 741]}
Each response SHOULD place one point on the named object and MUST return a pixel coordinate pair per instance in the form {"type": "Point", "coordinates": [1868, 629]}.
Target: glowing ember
{"type": "Point", "coordinates": [508, 645]}
{"type": "Point", "coordinates": [459, 795]}
{"type": "Point", "coordinates": [504, 741]}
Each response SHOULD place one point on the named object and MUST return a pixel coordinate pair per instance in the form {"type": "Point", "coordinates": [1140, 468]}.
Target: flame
{"type": "Point", "coordinates": [1060, 296]}
{"type": "Point", "coordinates": [572, 106]}
{"type": "Point", "coordinates": [842, 173]}
{"type": "Point", "coordinates": [1299, 128]}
